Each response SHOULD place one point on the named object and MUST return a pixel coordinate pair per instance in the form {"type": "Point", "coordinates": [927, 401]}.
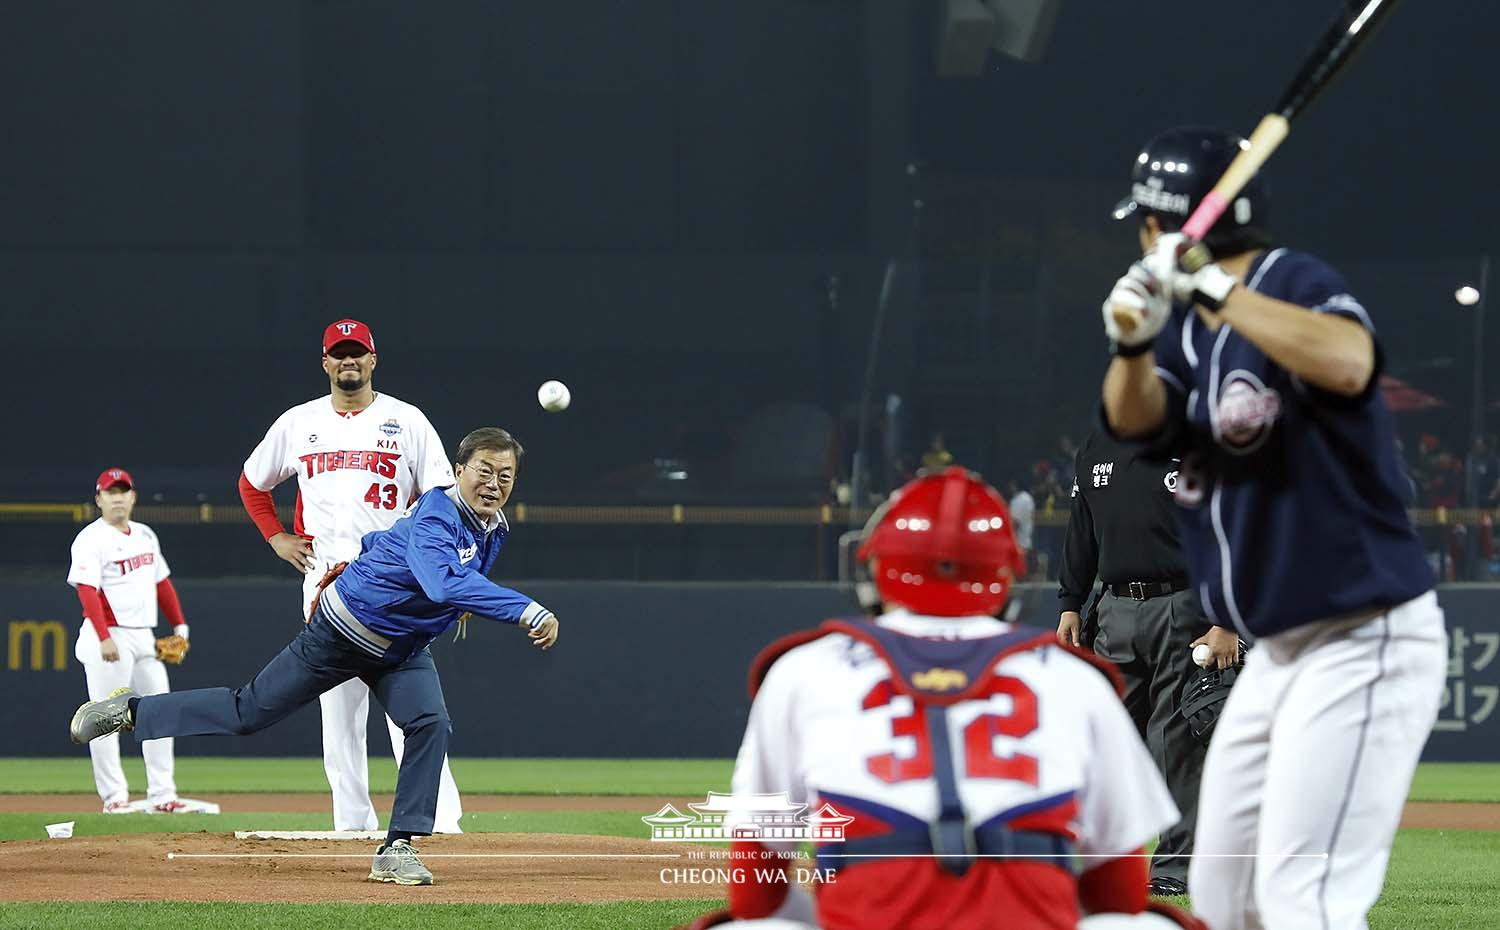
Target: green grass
{"type": "Point", "coordinates": [111, 916]}
{"type": "Point", "coordinates": [1456, 781]}
{"type": "Point", "coordinates": [1441, 879]}
{"type": "Point", "coordinates": [1435, 781]}
{"type": "Point", "coordinates": [209, 774]}
{"type": "Point", "coordinates": [1436, 880]}
{"type": "Point", "coordinates": [594, 823]}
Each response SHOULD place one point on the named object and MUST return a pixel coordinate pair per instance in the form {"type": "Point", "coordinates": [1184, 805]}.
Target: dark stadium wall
{"type": "Point", "coordinates": [506, 193]}
{"type": "Point", "coordinates": [515, 192]}
{"type": "Point", "coordinates": [641, 670]}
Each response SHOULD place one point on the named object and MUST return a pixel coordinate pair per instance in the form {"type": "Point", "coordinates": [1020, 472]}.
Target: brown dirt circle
{"type": "Point", "coordinates": [486, 868]}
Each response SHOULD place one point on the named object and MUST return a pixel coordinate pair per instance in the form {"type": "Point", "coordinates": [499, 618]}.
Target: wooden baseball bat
{"type": "Point", "coordinates": [1354, 23]}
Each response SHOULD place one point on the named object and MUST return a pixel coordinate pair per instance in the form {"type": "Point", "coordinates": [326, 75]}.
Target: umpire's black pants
{"type": "Point", "coordinates": [1148, 641]}
{"type": "Point", "coordinates": [318, 659]}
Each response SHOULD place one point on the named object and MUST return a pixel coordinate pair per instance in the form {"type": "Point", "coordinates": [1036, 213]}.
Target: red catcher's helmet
{"type": "Point", "coordinates": [943, 546]}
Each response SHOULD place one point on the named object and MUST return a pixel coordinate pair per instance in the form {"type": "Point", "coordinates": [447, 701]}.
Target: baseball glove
{"type": "Point", "coordinates": [1203, 697]}
{"type": "Point", "coordinates": [171, 649]}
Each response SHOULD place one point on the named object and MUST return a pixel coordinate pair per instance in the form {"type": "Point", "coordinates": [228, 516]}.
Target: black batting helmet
{"type": "Point", "coordinates": [1176, 169]}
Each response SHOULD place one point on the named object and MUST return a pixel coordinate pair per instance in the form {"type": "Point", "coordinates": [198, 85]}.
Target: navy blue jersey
{"type": "Point", "coordinates": [1292, 499]}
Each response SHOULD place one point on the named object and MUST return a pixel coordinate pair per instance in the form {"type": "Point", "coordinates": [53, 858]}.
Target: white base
{"type": "Point", "coordinates": [193, 806]}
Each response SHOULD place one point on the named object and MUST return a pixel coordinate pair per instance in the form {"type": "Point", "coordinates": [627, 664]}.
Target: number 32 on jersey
{"type": "Point", "coordinates": [980, 760]}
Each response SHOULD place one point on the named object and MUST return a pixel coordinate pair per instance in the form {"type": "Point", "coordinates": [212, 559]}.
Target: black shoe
{"type": "Point", "coordinates": [1163, 887]}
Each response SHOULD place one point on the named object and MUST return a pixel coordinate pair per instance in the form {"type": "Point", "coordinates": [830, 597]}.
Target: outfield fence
{"type": "Point", "coordinates": [642, 669]}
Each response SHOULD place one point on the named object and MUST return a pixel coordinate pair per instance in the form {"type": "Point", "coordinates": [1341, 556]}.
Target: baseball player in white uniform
{"type": "Point", "coordinates": [122, 581]}
{"type": "Point", "coordinates": [360, 459]}
{"type": "Point", "coordinates": [966, 759]}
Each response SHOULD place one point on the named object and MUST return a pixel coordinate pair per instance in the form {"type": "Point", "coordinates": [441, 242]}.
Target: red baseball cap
{"type": "Point", "coordinates": [347, 331]}
{"type": "Point", "coordinates": [111, 477]}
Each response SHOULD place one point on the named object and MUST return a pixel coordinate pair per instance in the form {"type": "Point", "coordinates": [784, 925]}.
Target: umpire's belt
{"type": "Point", "coordinates": [1145, 590]}
{"type": "Point", "coordinates": [995, 840]}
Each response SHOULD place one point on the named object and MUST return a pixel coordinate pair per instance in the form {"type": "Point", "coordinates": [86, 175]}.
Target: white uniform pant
{"type": "Point", "coordinates": [346, 757]}
{"type": "Point", "coordinates": [137, 668]}
{"type": "Point", "coordinates": [1309, 767]}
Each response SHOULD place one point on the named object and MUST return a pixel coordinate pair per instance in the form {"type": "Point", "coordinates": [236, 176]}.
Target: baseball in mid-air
{"type": "Point", "coordinates": [1203, 655]}
{"type": "Point", "coordinates": [1467, 295]}
{"type": "Point", "coordinates": [554, 396]}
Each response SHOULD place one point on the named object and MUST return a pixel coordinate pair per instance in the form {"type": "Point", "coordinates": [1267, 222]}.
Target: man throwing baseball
{"type": "Point", "coordinates": [1261, 371]}
{"type": "Point", "coordinates": [123, 582]}
{"type": "Point", "coordinates": [359, 459]}
{"type": "Point", "coordinates": [374, 620]}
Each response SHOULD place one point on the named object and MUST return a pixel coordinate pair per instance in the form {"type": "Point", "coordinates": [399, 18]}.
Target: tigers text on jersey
{"type": "Point", "coordinates": [1053, 750]}
{"type": "Point", "coordinates": [124, 567]}
{"type": "Point", "coordinates": [355, 473]}
{"type": "Point", "coordinates": [1292, 499]}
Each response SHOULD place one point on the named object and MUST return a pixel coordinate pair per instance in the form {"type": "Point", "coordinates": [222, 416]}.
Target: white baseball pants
{"type": "Point", "coordinates": [137, 668]}
{"type": "Point", "coordinates": [1309, 768]}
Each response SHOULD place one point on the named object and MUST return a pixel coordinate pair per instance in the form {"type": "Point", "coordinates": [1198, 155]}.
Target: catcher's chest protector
{"type": "Point", "coordinates": [929, 670]}
{"type": "Point", "coordinates": [937, 674]}
{"type": "Point", "coordinates": [940, 671]}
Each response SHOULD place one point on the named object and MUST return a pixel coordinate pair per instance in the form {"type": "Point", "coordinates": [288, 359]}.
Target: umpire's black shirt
{"type": "Point", "coordinates": [1123, 527]}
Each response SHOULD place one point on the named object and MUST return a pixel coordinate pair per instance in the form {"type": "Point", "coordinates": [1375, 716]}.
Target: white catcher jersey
{"type": "Point", "coordinates": [355, 474]}
{"type": "Point", "coordinates": [125, 567]}
{"type": "Point", "coordinates": [824, 724]}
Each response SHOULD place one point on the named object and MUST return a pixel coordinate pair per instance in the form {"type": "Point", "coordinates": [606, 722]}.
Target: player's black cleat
{"type": "Point", "coordinates": [1163, 887]}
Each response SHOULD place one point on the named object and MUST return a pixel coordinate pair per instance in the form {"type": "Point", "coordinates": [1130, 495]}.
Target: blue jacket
{"type": "Point", "coordinates": [413, 581]}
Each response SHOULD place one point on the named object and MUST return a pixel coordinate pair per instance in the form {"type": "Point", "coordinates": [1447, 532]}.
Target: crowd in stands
{"type": "Point", "coordinates": [1461, 546]}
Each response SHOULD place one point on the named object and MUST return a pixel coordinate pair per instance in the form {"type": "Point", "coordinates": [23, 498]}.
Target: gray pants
{"type": "Point", "coordinates": [1148, 641]}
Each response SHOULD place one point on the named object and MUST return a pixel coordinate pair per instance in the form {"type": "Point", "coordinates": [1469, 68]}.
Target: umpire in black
{"type": "Point", "coordinates": [1123, 531]}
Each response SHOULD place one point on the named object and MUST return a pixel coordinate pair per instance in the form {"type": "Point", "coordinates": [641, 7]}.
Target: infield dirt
{"type": "Point", "coordinates": [487, 868]}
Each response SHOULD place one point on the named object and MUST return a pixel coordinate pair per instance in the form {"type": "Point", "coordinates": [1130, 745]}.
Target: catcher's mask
{"type": "Point", "coordinates": [942, 545]}
{"type": "Point", "coordinates": [1203, 698]}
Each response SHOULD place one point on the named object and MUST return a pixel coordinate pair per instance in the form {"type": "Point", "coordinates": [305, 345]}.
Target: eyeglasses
{"type": "Point", "coordinates": [487, 475]}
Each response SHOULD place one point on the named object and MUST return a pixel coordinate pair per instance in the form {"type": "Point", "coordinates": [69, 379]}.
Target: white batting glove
{"type": "Point", "coordinates": [1142, 296]}
{"type": "Point", "coordinates": [1208, 286]}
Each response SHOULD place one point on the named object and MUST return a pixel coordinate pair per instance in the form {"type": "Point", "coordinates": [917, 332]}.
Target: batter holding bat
{"type": "Point", "coordinates": [1260, 370]}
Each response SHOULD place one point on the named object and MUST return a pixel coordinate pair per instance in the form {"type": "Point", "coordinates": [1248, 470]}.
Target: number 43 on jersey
{"type": "Point", "coordinates": [382, 497]}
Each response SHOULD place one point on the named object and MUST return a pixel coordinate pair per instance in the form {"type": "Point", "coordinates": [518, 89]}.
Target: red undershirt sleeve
{"type": "Point", "coordinates": [93, 608]}
{"type": "Point", "coordinates": [261, 507]}
{"type": "Point", "coordinates": [167, 602]}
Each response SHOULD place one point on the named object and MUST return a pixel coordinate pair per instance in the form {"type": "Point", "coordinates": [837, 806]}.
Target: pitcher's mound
{"type": "Point", "coordinates": [488, 868]}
